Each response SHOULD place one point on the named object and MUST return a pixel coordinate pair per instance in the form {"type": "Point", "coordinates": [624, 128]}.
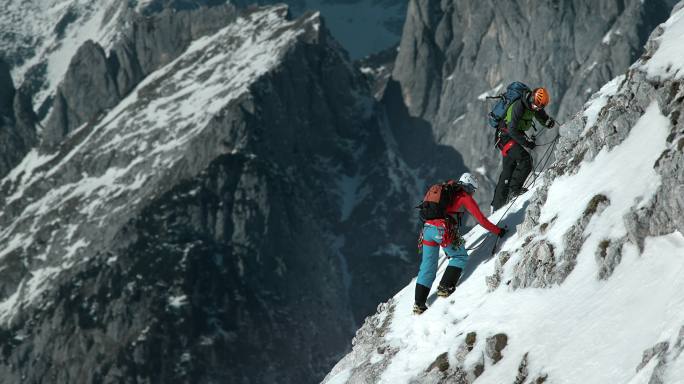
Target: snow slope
{"type": "Point", "coordinates": [587, 288]}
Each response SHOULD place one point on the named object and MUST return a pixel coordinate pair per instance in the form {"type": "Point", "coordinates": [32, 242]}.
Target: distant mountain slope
{"type": "Point", "coordinates": [219, 185]}
{"type": "Point", "coordinates": [41, 36]}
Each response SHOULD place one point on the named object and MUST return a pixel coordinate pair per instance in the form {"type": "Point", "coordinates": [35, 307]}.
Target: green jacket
{"type": "Point", "coordinates": [519, 117]}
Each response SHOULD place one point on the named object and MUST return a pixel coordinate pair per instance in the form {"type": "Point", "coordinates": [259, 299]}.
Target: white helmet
{"type": "Point", "coordinates": [468, 180]}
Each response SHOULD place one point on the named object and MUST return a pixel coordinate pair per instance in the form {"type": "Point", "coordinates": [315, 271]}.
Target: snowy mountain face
{"type": "Point", "coordinates": [212, 190]}
{"type": "Point", "coordinates": [39, 51]}
{"type": "Point", "coordinates": [455, 53]}
{"type": "Point", "coordinates": [587, 288]}
{"type": "Point", "coordinates": [114, 39]}
{"type": "Point", "coordinates": [144, 44]}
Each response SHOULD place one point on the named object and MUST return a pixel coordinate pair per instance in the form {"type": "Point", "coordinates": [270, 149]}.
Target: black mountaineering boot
{"type": "Point", "coordinates": [422, 293]}
{"type": "Point", "coordinates": [447, 285]}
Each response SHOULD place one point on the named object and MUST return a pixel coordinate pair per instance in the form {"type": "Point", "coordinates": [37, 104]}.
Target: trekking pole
{"type": "Point", "coordinates": [479, 245]}
{"type": "Point", "coordinates": [496, 242]}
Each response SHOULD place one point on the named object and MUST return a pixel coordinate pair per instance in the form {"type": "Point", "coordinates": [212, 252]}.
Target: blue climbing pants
{"type": "Point", "coordinates": [428, 266]}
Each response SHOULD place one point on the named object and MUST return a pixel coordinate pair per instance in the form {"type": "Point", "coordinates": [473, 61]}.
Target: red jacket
{"type": "Point", "coordinates": [464, 199]}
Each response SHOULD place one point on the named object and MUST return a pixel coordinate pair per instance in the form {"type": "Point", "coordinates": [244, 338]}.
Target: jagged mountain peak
{"type": "Point", "coordinates": [160, 131]}
{"type": "Point", "coordinates": [207, 208]}
{"type": "Point", "coordinates": [40, 50]}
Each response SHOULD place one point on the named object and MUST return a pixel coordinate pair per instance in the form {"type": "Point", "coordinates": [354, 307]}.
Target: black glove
{"type": "Point", "coordinates": [550, 123]}
{"type": "Point", "coordinates": [530, 144]}
{"type": "Point", "coordinates": [503, 231]}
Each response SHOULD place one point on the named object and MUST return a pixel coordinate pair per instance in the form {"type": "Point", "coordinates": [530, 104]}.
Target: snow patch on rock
{"type": "Point", "coordinates": [668, 60]}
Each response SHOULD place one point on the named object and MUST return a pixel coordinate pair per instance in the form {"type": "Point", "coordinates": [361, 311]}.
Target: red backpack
{"type": "Point", "coordinates": [437, 199]}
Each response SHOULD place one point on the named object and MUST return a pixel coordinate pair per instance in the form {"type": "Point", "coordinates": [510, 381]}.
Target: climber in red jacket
{"type": "Point", "coordinates": [441, 230]}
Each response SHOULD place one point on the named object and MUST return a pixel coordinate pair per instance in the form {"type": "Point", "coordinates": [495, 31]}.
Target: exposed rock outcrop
{"type": "Point", "coordinates": [543, 265]}
{"type": "Point", "coordinates": [17, 122]}
{"type": "Point", "coordinates": [97, 80]}
{"type": "Point", "coordinates": [496, 344]}
{"type": "Point", "coordinates": [212, 214]}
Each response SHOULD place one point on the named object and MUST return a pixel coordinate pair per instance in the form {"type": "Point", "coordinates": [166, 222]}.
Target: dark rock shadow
{"type": "Point", "coordinates": [418, 148]}
{"type": "Point", "coordinates": [416, 142]}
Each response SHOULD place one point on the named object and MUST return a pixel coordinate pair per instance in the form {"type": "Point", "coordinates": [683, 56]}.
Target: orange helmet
{"type": "Point", "coordinates": [539, 98]}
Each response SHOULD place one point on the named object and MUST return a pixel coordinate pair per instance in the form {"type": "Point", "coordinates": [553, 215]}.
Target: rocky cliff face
{"type": "Point", "coordinates": [454, 53]}
{"type": "Point", "coordinates": [587, 288]}
{"type": "Point", "coordinates": [202, 206]}
{"type": "Point", "coordinates": [147, 43]}
{"type": "Point", "coordinates": [39, 51]}
{"type": "Point", "coordinates": [17, 122]}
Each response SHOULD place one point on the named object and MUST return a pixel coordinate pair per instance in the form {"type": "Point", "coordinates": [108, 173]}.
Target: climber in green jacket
{"type": "Point", "coordinates": [512, 141]}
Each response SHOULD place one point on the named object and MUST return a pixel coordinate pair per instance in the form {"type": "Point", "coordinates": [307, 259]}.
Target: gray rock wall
{"type": "Point", "coordinates": [17, 122]}
{"type": "Point", "coordinates": [248, 243]}
{"type": "Point", "coordinates": [97, 80]}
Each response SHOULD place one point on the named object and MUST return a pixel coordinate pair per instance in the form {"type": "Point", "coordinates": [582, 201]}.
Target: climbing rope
{"type": "Point", "coordinates": [546, 157]}
{"type": "Point", "coordinates": [550, 142]}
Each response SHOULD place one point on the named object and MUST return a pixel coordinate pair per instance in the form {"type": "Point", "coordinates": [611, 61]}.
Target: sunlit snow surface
{"type": "Point", "coordinates": [668, 60]}
{"type": "Point", "coordinates": [630, 309]}
{"type": "Point", "coordinates": [585, 330]}
{"type": "Point", "coordinates": [152, 133]}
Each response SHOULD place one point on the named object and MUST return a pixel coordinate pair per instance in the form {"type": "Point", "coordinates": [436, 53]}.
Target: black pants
{"type": "Point", "coordinates": [516, 167]}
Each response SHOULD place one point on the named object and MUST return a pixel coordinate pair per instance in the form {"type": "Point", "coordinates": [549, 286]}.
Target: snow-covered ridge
{"type": "Point", "coordinates": [163, 130]}
{"type": "Point", "coordinates": [588, 287]}
{"type": "Point", "coordinates": [668, 60]}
